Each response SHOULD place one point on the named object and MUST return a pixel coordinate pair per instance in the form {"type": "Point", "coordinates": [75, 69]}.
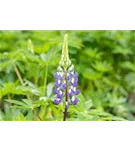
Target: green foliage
{"type": "Point", "coordinates": [105, 61]}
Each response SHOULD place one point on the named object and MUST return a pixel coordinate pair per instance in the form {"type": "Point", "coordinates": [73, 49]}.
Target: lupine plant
{"type": "Point", "coordinates": [66, 80]}
{"type": "Point", "coordinates": [105, 64]}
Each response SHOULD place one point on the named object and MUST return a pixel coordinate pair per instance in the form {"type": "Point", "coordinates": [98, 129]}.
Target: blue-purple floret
{"type": "Point", "coordinates": [57, 101]}
{"type": "Point", "coordinates": [58, 83]}
{"type": "Point", "coordinates": [76, 92]}
{"type": "Point", "coordinates": [60, 94]}
{"type": "Point", "coordinates": [70, 93]}
{"type": "Point", "coordinates": [74, 102]}
{"type": "Point", "coordinates": [74, 80]}
{"type": "Point", "coordinates": [64, 85]}
{"type": "Point", "coordinates": [56, 90]}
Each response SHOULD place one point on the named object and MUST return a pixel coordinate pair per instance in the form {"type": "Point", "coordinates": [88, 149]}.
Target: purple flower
{"type": "Point", "coordinates": [58, 83]}
{"type": "Point", "coordinates": [70, 93]}
{"type": "Point", "coordinates": [74, 100]}
{"type": "Point", "coordinates": [76, 74]}
{"type": "Point", "coordinates": [74, 80]}
{"type": "Point", "coordinates": [68, 76]}
{"type": "Point", "coordinates": [57, 101]}
{"type": "Point", "coordinates": [64, 85]}
{"type": "Point", "coordinates": [66, 81]}
{"type": "Point", "coordinates": [76, 92]}
{"type": "Point", "coordinates": [59, 94]}
{"type": "Point", "coordinates": [58, 75]}
{"type": "Point", "coordinates": [56, 90]}
{"type": "Point", "coordinates": [71, 74]}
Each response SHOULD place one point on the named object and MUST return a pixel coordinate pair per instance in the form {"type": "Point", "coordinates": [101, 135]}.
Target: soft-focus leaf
{"type": "Point", "coordinates": [16, 102]}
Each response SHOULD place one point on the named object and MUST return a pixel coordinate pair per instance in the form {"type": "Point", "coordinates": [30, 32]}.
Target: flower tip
{"type": "Point", "coordinates": [66, 35]}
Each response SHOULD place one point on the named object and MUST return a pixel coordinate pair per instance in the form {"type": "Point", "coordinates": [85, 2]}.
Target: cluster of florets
{"type": "Point", "coordinates": [66, 82]}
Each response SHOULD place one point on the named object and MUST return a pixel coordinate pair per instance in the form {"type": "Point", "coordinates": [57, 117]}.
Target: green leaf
{"type": "Point", "coordinates": [16, 102]}
{"type": "Point", "coordinates": [29, 116]}
{"type": "Point", "coordinates": [115, 118]}
{"type": "Point", "coordinates": [88, 104]}
{"type": "Point", "coordinates": [42, 112]}
{"type": "Point", "coordinates": [80, 105]}
{"type": "Point", "coordinates": [123, 51]}
{"type": "Point", "coordinates": [44, 57]}
{"type": "Point", "coordinates": [36, 105]}
{"type": "Point", "coordinates": [50, 87]}
{"type": "Point", "coordinates": [40, 102]}
{"type": "Point", "coordinates": [102, 66]}
{"type": "Point", "coordinates": [20, 117]}
{"type": "Point", "coordinates": [81, 97]}
{"type": "Point", "coordinates": [28, 102]}
{"type": "Point", "coordinates": [99, 113]}
{"type": "Point", "coordinates": [91, 74]}
{"type": "Point", "coordinates": [21, 107]}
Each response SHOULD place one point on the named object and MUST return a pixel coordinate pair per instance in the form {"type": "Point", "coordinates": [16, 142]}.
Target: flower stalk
{"type": "Point", "coordinates": [66, 80]}
{"type": "Point", "coordinates": [66, 103]}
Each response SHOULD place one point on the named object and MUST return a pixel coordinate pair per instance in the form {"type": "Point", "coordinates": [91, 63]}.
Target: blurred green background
{"type": "Point", "coordinates": [104, 60]}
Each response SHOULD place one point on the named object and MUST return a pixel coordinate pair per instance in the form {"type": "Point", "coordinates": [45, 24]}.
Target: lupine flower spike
{"type": "Point", "coordinates": [66, 80]}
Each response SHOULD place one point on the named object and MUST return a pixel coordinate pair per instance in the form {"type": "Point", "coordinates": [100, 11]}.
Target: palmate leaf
{"type": "Point", "coordinates": [93, 53]}
{"type": "Point", "coordinates": [122, 51]}
{"type": "Point", "coordinates": [128, 65]}
{"type": "Point", "coordinates": [102, 66]}
{"type": "Point", "coordinates": [91, 74]}
{"type": "Point", "coordinates": [11, 88]}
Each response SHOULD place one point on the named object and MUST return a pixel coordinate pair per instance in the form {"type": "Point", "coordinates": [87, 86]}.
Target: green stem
{"type": "Point", "coordinates": [45, 79]}
{"type": "Point", "coordinates": [18, 74]}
